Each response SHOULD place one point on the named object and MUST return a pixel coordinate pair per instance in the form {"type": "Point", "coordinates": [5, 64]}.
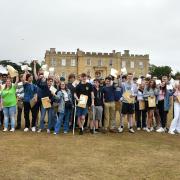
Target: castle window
{"type": "Point", "coordinates": [63, 62]}
{"type": "Point", "coordinates": [141, 64]}
{"type": "Point", "coordinates": [53, 62]}
{"type": "Point", "coordinates": [73, 62]}
{"type": "Point", "coordinates": [123, 64]}
{"type": "Point", "coordinates": [132, 64]}
{"type": "Point", "coordinates": [63, 74]}
{"type": "Point", "coordinates": [110, 62]}
{"type": "Point", "coordinates": [100, 62]}
{"type": "Point", "coordinates": [88, 62]}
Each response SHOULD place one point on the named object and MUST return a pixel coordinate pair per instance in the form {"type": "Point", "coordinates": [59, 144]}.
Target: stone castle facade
{"type": "Point", "coordinates": [91, 63]}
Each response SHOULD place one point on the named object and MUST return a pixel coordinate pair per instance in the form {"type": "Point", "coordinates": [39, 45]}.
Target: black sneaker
{"type": "Point", "coordinates": [97, 130]}
{"type": "Point", "coordinates": [92, 131]}
{"type": "Point", "coordinates": [18, 127]}
{"type": "Point", "coordinates": [80, 131]}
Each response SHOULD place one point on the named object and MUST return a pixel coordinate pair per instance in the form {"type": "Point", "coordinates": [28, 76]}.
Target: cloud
{"type": "Point", "coordinates": [143, 26]}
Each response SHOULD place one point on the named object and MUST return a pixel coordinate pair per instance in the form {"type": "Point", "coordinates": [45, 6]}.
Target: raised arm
{"type": "Point", "coordinates": [34, 71]}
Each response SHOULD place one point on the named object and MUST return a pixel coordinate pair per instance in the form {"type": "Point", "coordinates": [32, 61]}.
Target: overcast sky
{"type": "Point", "coordinates": [29, 27]}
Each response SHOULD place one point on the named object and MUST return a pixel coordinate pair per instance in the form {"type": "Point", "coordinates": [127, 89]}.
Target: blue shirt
{"type": "Point", "coordinates": [109, 93]}
{"type": "Point", "coordinates": [118, 93]}
{"type": "Point", "coordinates": [29, 91]}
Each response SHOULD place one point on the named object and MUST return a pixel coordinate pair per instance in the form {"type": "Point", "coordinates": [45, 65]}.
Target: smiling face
{"type": "Point", "coordinates": [96, 83]}
{"type": "Point", "coordinates": [50, 82]}
{"type": "Point", "coordinates": [62, 85]}
{"type": "Point", "coordinates": [163, 84]}
{"type": "Point", "coordinates": [8, 83]}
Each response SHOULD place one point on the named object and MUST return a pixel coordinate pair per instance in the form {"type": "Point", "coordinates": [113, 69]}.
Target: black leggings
{"type": "Point", "coordinates": [34, 111]}
{"type": "Point", "coordinates": [162, 113]}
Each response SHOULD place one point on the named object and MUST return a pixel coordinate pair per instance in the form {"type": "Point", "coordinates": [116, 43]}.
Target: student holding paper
{"type": "Point", "coordinates": [150, 92]}
{"type": "Point", "coordinates": [163, 105]}
{"type": "Point", "coordinates": [140, 111]}
{"type": "Point", "coordinates": [83, 90]}
{"type": "Point", "coordinates": [9, 102]}
{"type": "Point", "coordinates": [46, 93]}
{"type": "Point", "coordinates": [97, 110]}
{"type": "Point", "coordinates": [64, 98]}
{"type": "Point", "coordinates": [30, 101]}
{"type": "Point", "coordinates": [128, 100]}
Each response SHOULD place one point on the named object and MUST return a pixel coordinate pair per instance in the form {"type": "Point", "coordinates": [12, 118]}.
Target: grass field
{"type": "Point", "coordinates": [103, 156]}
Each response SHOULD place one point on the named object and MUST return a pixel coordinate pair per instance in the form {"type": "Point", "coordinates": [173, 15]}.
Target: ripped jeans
{"type": "Point", "coordinates": [9, 112]}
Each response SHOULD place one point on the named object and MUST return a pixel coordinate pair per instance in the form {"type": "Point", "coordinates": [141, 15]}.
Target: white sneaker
{"type": "Point", "coordinates": [138, 129]}
{"type": "Point", "coordinates": [131, 130]}
{"type": "Point", "coordinates": [55, 133]}
{"type": "Point", "coordinates": [48, 131]}
{"type": "Point", "coordinates": [39, 130]}
{"type": "Point", "coordinates": [5, 129]}
{"type": "Point", "coordinates": [148, 130]}
{"type": "Point", "coordinates": [12, 130]}
{"type": "Point", "coordinates": [120, 129]}
{"type": "Point", "coordinates": [151, 129]}
{"type": "Point", "coordinates": [65, 132]}
{"type": "Point", "coordinates": [33, 129]}
{"type": "Point", "coordinates": [144, 129]}
{"type": "Point", "coordinates": [160, 130]}
{"type": "Point", "coordinates": [26, 129]}
{"type": "Point", "coordinates": [171, 132]}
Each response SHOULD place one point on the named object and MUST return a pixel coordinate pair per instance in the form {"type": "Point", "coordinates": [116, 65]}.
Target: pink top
{"type": "Point", "coordinates": [177, 93]}
{"type": "Point", "coordinates": [161, 95]}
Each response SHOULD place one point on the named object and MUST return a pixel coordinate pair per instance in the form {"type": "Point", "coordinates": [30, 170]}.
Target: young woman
{"type": "Point", "coordinates": [65, 107]}
{"type": "Point", "coordinates": [9, 102]}
{"type": "Point", "coordinates": [140, 112]}
{"type": "Point", "coordinates": [163, 105]}
{"type": "Point", "coordinates": [30, 97]}
{"type": "Point", "coordinates": [175, 124]}
{"type": "Point", "coordinates": [150, 91]}
{"type": "Point", "coordinates": [20, 97]}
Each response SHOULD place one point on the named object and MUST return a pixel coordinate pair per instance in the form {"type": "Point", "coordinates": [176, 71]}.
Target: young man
{"type": "Point", "coordinates": [72, 88]}
{"type": "Point", "coordinates": [83, 88]}
{"type": "Point", "coordinates": [45, 87]}
{"type": "Point", "coordinates": [109, 105]}
{"type": "Point", "coordinates": [97, 110]}
{"type": "Point", "coordinates": [127, 107]}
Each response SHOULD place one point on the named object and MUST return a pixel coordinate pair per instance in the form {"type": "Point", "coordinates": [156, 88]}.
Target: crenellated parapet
{"type": "Point", "coordinates": [79, 52]}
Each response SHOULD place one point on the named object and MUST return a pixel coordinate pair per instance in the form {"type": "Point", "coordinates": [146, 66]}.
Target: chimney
{"type": "Point", "coordinates": [52, 50]}
{"type": "Point", "coordinates": [126, 52]}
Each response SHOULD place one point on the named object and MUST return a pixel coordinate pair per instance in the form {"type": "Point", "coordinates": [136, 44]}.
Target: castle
{"type": "Point", "coordinates": [91, 63]}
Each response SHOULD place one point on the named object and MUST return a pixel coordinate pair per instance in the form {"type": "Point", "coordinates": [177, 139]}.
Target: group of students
{"type": "Point", "coordinates": [125, 95]}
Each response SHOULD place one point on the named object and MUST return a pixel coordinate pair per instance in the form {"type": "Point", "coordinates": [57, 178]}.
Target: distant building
{"type": "Point", "coordinates": [91, 62]}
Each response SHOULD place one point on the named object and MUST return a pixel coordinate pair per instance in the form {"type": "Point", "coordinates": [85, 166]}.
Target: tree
{"type": "Point", "coordinates": [177, 75]}
{"type": "Point", "coordinates": [14, 65]}
{"type": "Point", "coordinates": [159, 71]}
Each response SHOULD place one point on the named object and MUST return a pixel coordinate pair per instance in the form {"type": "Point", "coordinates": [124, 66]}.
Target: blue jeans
{"type": "Point", "coordinates": [50, 117]}
{"type": "Point", "coordinates": [9, 112]}
{"type": "Point", "coordinates": [63, 116]}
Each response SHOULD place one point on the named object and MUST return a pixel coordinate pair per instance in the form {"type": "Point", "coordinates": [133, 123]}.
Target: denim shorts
{"type": "Point", "coordinates": [81, 111]}
{"type": "Point", "coordinates": [9, 111]}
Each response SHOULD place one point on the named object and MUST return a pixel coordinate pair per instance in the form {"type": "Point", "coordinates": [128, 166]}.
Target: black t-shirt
{"type": "Point", "coordinates": [72, 89]}
{"type": "Point", "coordinates": [84, 89]}
{"type": "Point", "coordinates": [98, 97]}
